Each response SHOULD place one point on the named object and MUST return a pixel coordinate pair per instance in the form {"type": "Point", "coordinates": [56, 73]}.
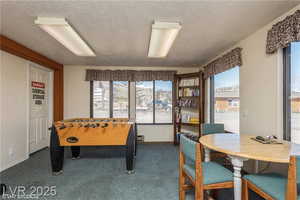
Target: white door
{"type": "Point", "coordinates": [39, 109]}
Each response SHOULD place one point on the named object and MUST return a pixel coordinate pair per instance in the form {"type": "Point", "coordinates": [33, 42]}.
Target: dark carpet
{"type": "Point", "coordinates": [100, 174]}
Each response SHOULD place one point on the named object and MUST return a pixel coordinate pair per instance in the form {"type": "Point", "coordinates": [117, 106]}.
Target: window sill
{"type": "Point", "coordinates": [154, 123]}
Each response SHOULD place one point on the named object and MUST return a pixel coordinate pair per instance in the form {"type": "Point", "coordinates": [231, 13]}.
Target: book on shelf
{"type": "Point", "coordinates": [189, 82]}
{"type": "Point", "coordinates": [188, 92]}
{"type": "Point", "coordinates": [188, 103]}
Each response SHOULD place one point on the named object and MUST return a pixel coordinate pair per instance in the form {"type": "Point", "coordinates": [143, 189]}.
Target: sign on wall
{"type": "Point", "coordinates": [38, 92]}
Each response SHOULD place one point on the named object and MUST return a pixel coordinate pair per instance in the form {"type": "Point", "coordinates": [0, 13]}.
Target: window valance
{"type": "Point", "coordinates": [283, 33]}
{"type": "Point", "coordinates": [128, 75]}
{"type": "Point", "coordinates": [221, 64]}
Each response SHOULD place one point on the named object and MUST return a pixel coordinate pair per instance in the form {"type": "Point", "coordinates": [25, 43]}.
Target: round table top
{"type": "Point", "coordinates": [242, 145]}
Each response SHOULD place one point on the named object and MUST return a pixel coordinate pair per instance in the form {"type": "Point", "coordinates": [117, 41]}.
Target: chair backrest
{"type": "Point", "coordinates": [207, 129]}
{"type": "Point", "coordinates": [188, 147]}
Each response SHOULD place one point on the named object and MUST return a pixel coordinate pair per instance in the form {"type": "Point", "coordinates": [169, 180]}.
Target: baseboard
{"type": "Point", "coordinates": [38, 150]}
{"type": "Point", "coordinates": [13, 163]}
{"type": "Point", "coordinates": [158, 142]}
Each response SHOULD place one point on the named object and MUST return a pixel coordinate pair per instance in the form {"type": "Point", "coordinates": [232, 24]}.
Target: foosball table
{"type": "Point", "coordinates": [119, 133]}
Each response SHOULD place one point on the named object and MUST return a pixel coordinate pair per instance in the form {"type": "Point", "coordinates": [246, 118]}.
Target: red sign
{"type": "Point", "coordinates": [37, 84]}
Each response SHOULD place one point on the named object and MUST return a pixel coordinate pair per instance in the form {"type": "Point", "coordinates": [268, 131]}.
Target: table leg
{"type": "Point", "coordinates": [56, 153]}
{"type": "Point", "coordinates": [237, 163]}
{"type": "Point", "coordinates": [206, 154]}
{"type": "Point", "coordinates": [75, 152]}
{"type": "Point", "coordinates": [130, 152]}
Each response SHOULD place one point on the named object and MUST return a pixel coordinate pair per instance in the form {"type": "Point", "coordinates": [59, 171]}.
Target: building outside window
{"type": "Point", "coordinates": [144, 102]}
{"type": "Point", "coordinates": [101, 99]}
{"type": "Point", "coordinates": [120, 99]}
{"type": "Point", "coordinates": [163, 101]}
{"type": "Point", "coordinates": [154, 102]}
{"type": "Point", "coordinates": [292, 92]}
{"type": "Point", "coordinates": [226, 99]}
{"type": "Point", "coordinates": [110, 99]}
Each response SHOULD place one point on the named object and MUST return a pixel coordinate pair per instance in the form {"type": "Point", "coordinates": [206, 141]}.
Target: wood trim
{"type": "Point", "coordinates": [245, 191]}
{"type": "Point", "coordinates": [181, 179]}
{"type": "Point", "coordinates": [257, 190]}
{"type": "Point", "coordinates": [292, 182]}
{"type": "Point", "coordinates": [222, 185]}
{"type": "Point", "coordinates": [58, 95]}
{"type": "Point", "coordinates": [17, 49]}
{"type": "Point", "coordinates": [199, 186]}
{"type": "Point", "coordinates": [22, 51]}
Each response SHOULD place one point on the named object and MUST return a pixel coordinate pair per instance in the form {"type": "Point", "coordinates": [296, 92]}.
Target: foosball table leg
{"type": "Point", "coordinates": [56, 153]}
{"type": "Point", "coordinates": [129, 162]}
{"type": "Point", "coordinates": [75, 152]}
{"type": "Point", "coordinates": [130, 152]}
{"type": "Point", "coordinates": [135, 139]}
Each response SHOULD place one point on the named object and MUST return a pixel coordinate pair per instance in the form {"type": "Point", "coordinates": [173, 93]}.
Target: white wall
{"type": "Point", "coordinates": [14, 110]}
{"type": "Point", "coordinates": [77, 98]}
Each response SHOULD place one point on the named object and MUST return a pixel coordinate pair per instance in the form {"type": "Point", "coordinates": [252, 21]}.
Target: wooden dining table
{"type": "Point", "coordinates": [240, 147]}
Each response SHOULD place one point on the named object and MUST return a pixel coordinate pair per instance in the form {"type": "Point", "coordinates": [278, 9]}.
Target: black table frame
{"type": "Point", "coordinates": [57, 151]}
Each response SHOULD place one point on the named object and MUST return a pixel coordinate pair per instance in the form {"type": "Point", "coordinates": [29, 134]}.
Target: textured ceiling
{"type": "Point", "coordinates": [119, 31]}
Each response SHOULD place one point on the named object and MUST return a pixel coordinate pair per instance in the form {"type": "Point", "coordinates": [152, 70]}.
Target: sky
{"type": "Point", "coordinates": [228, 78]}
{"type": "Point", "coordinates": [295, 62]}
{"type": "Point", "coordinates": [159, 85]}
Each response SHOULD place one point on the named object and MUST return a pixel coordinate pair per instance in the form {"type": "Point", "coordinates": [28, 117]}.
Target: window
{"type": "Point", "coordinates": [154, 102]}
{"type": "Point", "coordinates": [101, 99]}
{"type": "Point", "coordinates": [144, 102]}
{"type": "Point", "coordinates": [163, 101]}
{"type": "Point", "coordinates": [120, 99]}
{"type": "Point", "coordinates": [110, 99]}
{"type": "Point", "coordinates": [225, 99]}
{"type": "Point", "coordinates": [292, 92]}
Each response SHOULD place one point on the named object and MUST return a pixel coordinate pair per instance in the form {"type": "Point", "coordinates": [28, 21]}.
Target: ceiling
{"type": "Point", "coordinates": [119, 31]}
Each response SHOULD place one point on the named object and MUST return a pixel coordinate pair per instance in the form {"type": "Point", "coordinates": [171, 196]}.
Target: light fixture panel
{"type": "Point", "coordinates": [163, 35]}
{"type": "Point", "coordinates": [63, 32]}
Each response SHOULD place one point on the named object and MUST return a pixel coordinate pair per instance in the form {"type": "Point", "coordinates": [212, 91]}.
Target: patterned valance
{"type": "Point", "coordinates": [221, 64]}
{"type": "Point", "coordinates": [128, 75]}
{"type": "Point", "coordinates": [283, 33]}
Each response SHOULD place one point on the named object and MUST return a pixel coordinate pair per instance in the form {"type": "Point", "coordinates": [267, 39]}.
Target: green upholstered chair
{"type": "Point", "coordinates": [202, 175]}
{"type": "Point", "coordinates": [272, 186]}
{"type": "Point", "coordinates": [207, 129]}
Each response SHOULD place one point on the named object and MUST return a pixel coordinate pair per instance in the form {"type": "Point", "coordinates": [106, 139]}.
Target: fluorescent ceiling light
{"type": "Point", "coordinates": [61, 30]}
{"type": "Point", "coordinates": [162, 38]}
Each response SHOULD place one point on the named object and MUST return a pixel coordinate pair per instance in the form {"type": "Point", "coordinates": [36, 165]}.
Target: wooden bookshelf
{"type": "Point", "coordinates": [188, 102]}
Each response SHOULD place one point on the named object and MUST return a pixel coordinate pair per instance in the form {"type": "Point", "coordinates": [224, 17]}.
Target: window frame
{"type": "Point", "coordinates": [212, 100]}
{"type": "Point", "coordinates": [111, 103]}
{"type": "Point", "coordinates": [153, 94]}
{"type": "Point", "coordinates": [287, 93]}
